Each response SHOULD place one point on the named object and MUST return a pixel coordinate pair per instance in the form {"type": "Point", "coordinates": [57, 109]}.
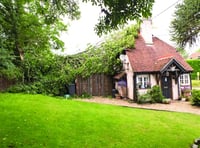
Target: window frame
{"type": "Point", "coordinates": [184, 79]}
{"type": "Point", "coordinates": [144, 80]}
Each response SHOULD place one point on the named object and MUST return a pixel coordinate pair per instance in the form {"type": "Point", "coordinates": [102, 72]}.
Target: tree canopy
{"type": "Point", "coordinates": [185, 27]}
{"type": "Point", "coordinates": [116, 13]}
{"type": "Point", "coordinates": [30, 26]}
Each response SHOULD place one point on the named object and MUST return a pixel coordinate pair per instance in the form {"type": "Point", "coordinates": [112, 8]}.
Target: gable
{"type": "Point", "coordinates": [173, 65]}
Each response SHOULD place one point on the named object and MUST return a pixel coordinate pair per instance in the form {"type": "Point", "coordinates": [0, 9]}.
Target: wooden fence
{"type": "Point", "coordinates": [95, 85]}
{"type": "Point", "coordinates": [5, 83]}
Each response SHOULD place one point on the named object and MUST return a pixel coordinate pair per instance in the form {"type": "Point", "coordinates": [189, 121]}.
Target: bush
{"type": "Point", "coordinates": [46, 87]}
{"type": "Point", "coordinates": [154, 95]}
{"type": "Point", "coordinates": [196, 97]}
{"type": "Point", "coordinates": [86, 95]}
{"type": "Point", "coordinates": [145, 98]}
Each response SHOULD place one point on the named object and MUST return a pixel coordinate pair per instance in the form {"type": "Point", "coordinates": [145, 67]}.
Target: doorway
{"type": "Point", "coordinates": [166, 86]}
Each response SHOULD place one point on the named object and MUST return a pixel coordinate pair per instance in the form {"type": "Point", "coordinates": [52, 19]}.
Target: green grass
{"type": "Point", "coordinates": [38, 121]}
{"type": "Point", "coordinates": [196, 83]}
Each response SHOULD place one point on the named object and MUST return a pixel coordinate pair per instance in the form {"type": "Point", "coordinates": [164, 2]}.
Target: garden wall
{"type": "Point", "coordinates": [95, 85]}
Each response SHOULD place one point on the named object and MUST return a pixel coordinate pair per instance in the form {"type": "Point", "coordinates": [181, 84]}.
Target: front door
{"type": "Point", "coordinates": [166, 85]}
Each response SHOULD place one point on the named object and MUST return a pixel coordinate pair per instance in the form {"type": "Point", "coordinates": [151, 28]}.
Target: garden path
{"type": "Point", "coordinates": [177, 106]}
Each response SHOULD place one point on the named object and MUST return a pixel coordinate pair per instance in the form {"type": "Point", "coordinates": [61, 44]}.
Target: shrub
{"type": "Point", "coordinates": [196, 97]}
{"type": "Point", "coordinates": [186, 93]}
{"type": "Point", "coordinates": [86, 95]}
{"type": "Point", "coordinates": [145, 98]}
{"type": "Point", "coordinates": [156, 94]}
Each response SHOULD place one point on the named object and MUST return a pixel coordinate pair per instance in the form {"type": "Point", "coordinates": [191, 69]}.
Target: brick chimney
{"type": "Point", "coordinates": [146, 31]}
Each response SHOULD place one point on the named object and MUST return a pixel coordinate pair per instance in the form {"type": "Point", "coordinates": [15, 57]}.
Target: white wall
{"type": "Point", "coordinates": [153, 80]}
{"type": "Point", "coordinates": [129, 74]}
{"type": "Point", "coordinates": [130, 86]}
{"type": "Point", "coordinates": [174, 90]}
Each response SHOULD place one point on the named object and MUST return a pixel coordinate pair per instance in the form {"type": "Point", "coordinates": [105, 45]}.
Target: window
{"type": "Point", "coordinates": [184, 79]}
{"type": "Point", "coordinates": [143, 81]}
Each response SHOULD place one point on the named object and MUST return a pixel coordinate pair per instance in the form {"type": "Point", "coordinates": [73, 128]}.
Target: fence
{"type": "Point", "coordinates": [95, 85]}
{"type": "Point", "coordinates": [5, 83]}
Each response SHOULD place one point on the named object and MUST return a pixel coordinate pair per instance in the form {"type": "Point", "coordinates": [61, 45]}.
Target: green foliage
{"type": "Point", "coordinates": [185, 27]}
{"type": "Point", "coordinates": [7, 67]}
{"type": "Point", "coordinates": [104, 58]}
{"type": "Point", "coordinates": [85, 95]}
{"type": "Point", "coordinates": [144, 98]}
{"type": "Point", "coordinates": [154, 95]}
{"type": "Point", "coordinates": [195, 64]}
{"type": "Point", "coordinates": [183, 53]}
{"type": "Point", "coordinates": [195, 97]}
{"type": "Point", "coordinates": [45, 73]}
{"type": "Point", "coordinates": [29, 27]}
{"type": "Point", "coordinates": [116, 13]}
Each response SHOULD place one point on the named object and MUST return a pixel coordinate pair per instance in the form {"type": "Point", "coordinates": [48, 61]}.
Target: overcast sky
{"type": "Point", "coordinates": [81, 32]}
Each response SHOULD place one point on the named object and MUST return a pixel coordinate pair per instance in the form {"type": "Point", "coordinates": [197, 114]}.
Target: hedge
{"type": "Point", "coordinates": [195, 64]}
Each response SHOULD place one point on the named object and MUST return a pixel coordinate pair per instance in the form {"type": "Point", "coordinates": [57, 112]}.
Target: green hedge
{"type": "Point", "coordinates": [195, 64]}
{"type": "Point", "coordinates": [196, 97]}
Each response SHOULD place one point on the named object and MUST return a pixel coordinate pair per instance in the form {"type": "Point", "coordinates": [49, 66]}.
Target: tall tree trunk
{"type": "Point", "coordinates": [18, 51]}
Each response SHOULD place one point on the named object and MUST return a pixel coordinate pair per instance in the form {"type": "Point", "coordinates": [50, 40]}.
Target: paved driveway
{"type": "Point", "coordinates": [177, 106]}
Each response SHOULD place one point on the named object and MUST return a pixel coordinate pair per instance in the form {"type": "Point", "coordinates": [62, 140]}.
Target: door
{"type": "Point", "coordinates": [166, 85]}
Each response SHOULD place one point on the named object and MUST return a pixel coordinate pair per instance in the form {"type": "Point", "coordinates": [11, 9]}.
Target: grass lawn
{"type": "Point", "coordinates": [38, 121]}
{"type": "Point", "coordinates": [196, 83]}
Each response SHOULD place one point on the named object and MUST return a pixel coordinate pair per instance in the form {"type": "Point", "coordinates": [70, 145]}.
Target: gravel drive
{"type": "Point", "coordinates": [177, 106]}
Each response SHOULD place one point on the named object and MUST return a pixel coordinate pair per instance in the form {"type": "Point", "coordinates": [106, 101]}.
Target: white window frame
{"type": "Point", "coordinates": [143, 81]}
{"type": "Point", "coordinates": [184, 79]}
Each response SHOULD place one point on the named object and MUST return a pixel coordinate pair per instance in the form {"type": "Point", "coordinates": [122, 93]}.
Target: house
{"type": "Point", "coordinates": [154, 62]}
{"type": "Point", "coordinates": [195, 55]}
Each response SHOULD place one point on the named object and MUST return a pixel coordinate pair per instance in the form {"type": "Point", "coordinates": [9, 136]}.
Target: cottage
{"type": "Point", "coordinates": [154, 62]}
{"type": "Point", "coordinates": [195, 55]}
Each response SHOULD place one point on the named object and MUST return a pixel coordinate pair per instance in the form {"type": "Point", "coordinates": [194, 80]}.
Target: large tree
{"type": "Point", "coordinates": [30, 26]}
{"type": "Point", "coordinates": [185, 27]}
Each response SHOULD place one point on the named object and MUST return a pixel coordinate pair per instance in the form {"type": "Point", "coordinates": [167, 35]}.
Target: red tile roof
{"type": "Point", "coordinates": [195, 55]}
{"type": "Point", "coordinates": [152, 58]}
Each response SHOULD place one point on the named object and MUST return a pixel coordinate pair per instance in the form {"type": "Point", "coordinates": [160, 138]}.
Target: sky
{"type": "Point", "coordinates": [81, 32]}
